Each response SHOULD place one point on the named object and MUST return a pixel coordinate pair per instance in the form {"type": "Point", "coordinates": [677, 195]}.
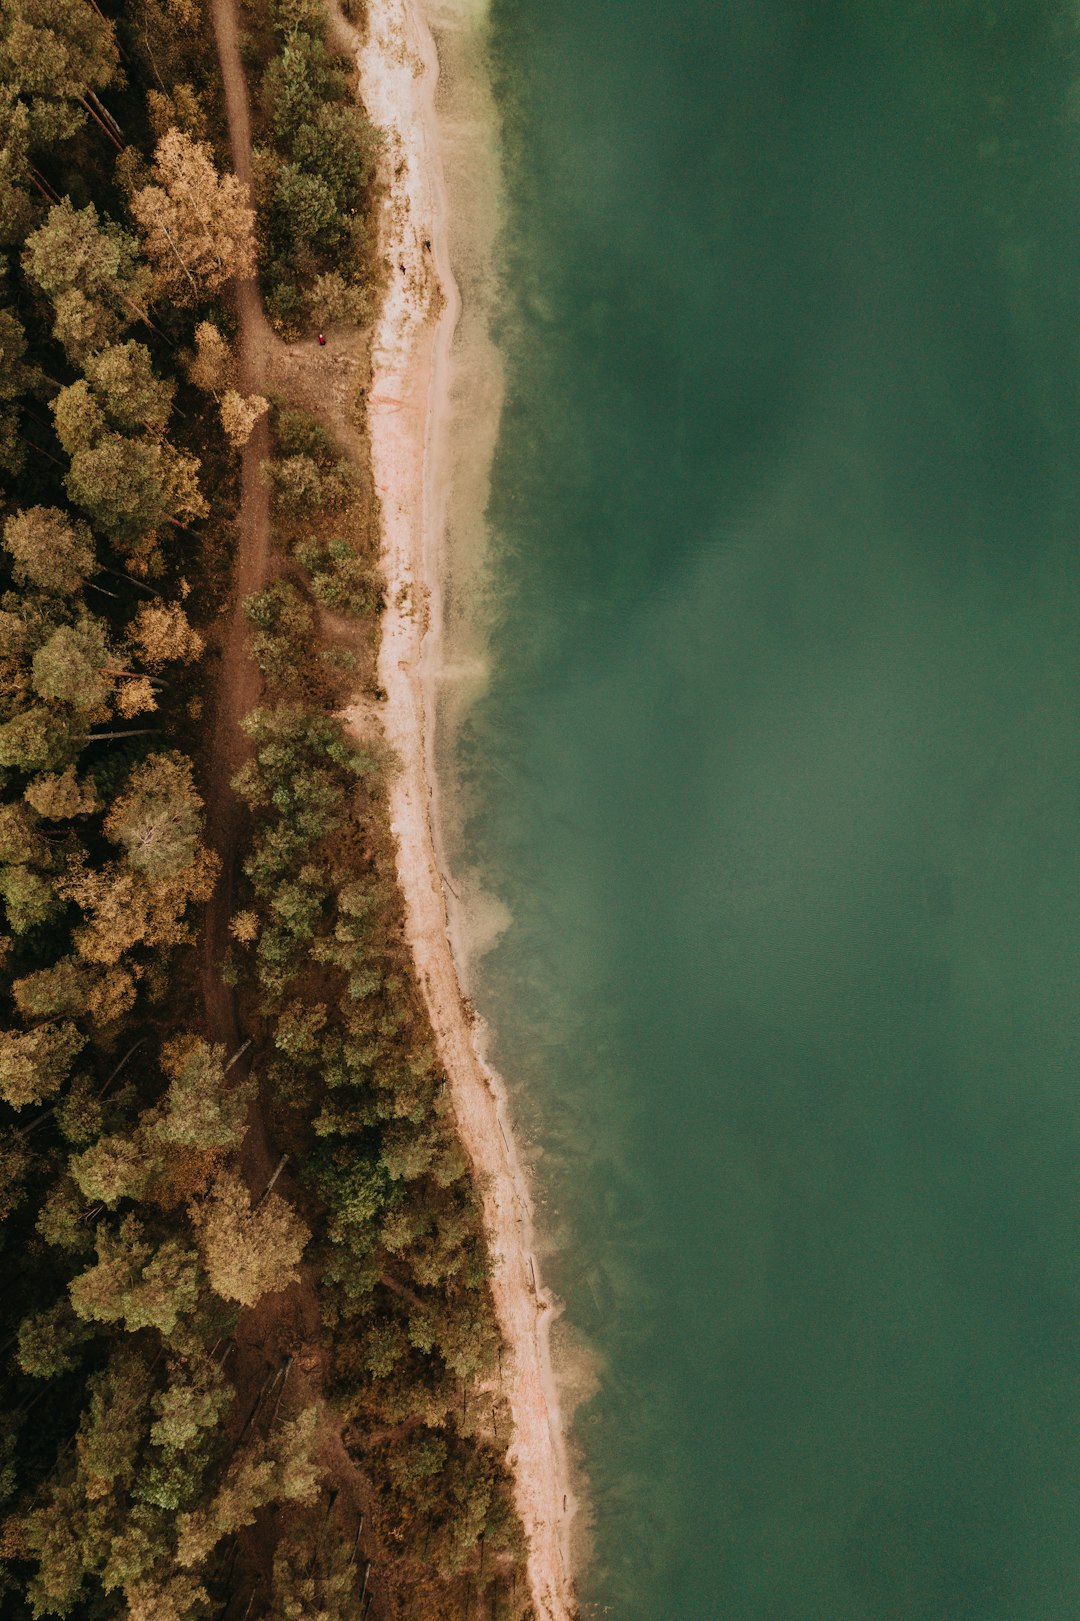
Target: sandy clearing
{"type": "Point", "coordinates": [409, 413]}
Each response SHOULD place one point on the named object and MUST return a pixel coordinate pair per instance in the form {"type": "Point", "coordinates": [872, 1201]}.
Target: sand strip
{"type": "Point", "coordinates": [408, 417]}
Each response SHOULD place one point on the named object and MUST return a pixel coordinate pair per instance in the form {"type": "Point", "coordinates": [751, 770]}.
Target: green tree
{"type": "Point", "coordinates": [50, 1341]}
{"type": "Point", "coordinates": [50, 52]}
{"type": "Point", "coordinates": [248, 1252]}
{"type": "Point", "coordinates": [40, 739]}
{"type": "Point", "coordinates": [320, 1588]}
{"type": "Point", "coordinates": [157, 819]}
{"type": "Point", "coordinates": [79, 417]}
{"type": "Point", "coordinates": [132, 394]}
{"type": "Point", "coordinates": [34, 1064]}
{"type": "Point", "coordinates": [20, 839]}
{"type": "Point", "coordinates": [115, 1423]}
{"type": "Point", "coordinates": [61, 1537]}
{"type": "Point", "coordinates": [136, 1282]}
{"type": "Point", "coordinates": [60, 1221]}
{"type": "Point", "coordinates": [341, 146]}
{"type": "Point", "coordinates": [284, 631]}
{"type": "Point", "coordinates": [281, 1468]}
{"type": "Point", "coordinates": [297, 80]}
{"type": "Point", "coordinates": [91, 270]}
{"type": "Point", "coordinates": [191, 1405]}
{"type": "Point", "coordinates": [14, 377]}
{"type": "Point", "coordinates": [118, 1166]}
{"type": "Point", "coordinates": [340, 578]}
{"type": "Point", "coordinates": [70, 666]}
{"type": "Point", "coordinates": [130, 487]}
{"type": "Point", "coordinates": [306, 207]}
{"type": "Point", "coordinates": [200, 1108]}
{"type": "Point", "coordinates": [29, 896]}
{"type": "Point", "coordinates": [15, 1163]}
{"type": "Point", "coordinates": [16, 209]}
{"type": "Point", "coordinates": [211, 367]}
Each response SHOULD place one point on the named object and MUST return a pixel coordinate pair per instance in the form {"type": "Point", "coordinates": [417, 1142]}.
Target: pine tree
{"type": "Point", "coordinates": [49, 1341]}
{"type": "Point", "coordinates": [124, 380]}
{"type": "Point", "coordinates": [136, 1282]}
{"type": "Point", "coordinates": [50, 52]}
{"type": "Point", "coordinates": [70, 667]}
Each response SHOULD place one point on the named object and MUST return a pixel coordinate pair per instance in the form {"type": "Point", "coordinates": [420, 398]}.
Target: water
{"type": "Point", "coordinates": [778, 774]}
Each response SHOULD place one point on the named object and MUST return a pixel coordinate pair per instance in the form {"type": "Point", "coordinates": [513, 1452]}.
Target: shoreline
{"type": "Point", "coordinates": [409, 411]}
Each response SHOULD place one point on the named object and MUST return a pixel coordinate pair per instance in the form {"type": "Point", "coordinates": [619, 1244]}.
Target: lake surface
{"type": "Point", "coordinates": [778, 774]}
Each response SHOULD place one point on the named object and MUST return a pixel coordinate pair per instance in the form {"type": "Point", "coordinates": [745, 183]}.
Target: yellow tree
{"type": "Point", "coordinates": [197, 225]}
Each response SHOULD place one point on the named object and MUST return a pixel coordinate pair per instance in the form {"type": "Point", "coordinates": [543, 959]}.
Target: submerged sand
{"type": "Point", "coordinates": [409, 420]}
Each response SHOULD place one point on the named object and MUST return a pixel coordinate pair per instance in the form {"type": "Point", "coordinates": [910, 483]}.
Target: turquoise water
{"type": "Point", "coordinates": [779, 776]}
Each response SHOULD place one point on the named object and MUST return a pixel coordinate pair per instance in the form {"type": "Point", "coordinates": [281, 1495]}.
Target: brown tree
{"type": "Point", "coordinates": [123, 908]}
{"type": "Point", "coordinates": [239, 414]}
{"type": "Point", "coordinates": [211, 366]}
{"type": "Point", "coordinates": [160, 633]}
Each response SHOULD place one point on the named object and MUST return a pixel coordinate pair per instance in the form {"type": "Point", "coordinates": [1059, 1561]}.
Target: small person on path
{"type": "Point", "coordinates": [322, 341]}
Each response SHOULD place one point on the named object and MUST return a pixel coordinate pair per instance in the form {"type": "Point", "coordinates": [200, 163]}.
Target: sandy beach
{"type": "Point", "coordinates": [409, 420]}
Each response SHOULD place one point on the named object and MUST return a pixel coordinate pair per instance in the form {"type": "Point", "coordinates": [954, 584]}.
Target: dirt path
{"type": "Point", "coordinates": [238, 678]}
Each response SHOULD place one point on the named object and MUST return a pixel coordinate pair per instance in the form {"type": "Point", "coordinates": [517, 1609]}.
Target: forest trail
{"type": "Point", "coordinates": [283, 1330]}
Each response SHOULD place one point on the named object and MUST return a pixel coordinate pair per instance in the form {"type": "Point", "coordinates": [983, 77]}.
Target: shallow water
{"type": "Point", "coordinates": [779, 776]}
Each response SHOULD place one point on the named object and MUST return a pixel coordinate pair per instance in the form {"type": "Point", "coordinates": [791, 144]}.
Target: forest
{"type": "Point", "coordinates": [250, 1360]}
